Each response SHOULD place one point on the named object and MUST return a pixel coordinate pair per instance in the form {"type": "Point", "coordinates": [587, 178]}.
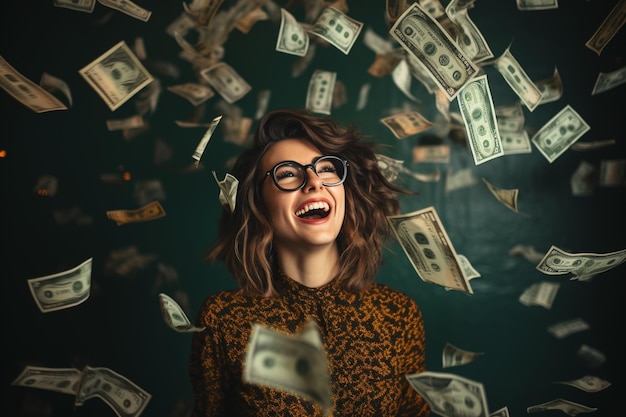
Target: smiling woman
{"type": "Point", "coordinates": [305, 247]}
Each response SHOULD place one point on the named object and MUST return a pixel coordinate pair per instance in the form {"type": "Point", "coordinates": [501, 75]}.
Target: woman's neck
{"type": "Point", "coordinates": [313, 268]}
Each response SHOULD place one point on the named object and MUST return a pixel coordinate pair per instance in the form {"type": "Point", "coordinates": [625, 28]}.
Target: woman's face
{"type": "Point", "coordinates": [310, 216]}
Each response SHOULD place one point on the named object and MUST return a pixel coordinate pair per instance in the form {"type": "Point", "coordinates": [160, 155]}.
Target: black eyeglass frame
{"type": "Point", "coordinates": [272, 172]}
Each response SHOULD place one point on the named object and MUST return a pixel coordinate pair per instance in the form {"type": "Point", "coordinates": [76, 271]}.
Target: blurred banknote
{"type": "Point", "coordinates": [150, 211]}
{"type": "Point", "coordinates": [62, 290]}
{"type": "Point", "coordinates": [502, 412]}
{"type": "Point", "coordinates": [559, 133]}
{"type": "Point", "coordinates": [567, 327]}
{"type": "Point", "coordinates": [593, 357]}
{"type": "Point", "coordinates": [559, 262]}
{"type": "Point", "coordinates": [125, 397]}
{"type": "Point", "coordinates": [63, 380]}
{"type": "Point", "coordinates": [27, 92]}
{"type": "Point", "coordinates": [78, 5]}
{"type": "Point", "coordinates": [391, 168]}
{"type": "Point", "coordinates": [507, 197]}
{"type": "Point", "coordinates": [228, 83]}
{"type": "Point", "coordinates": [609, 80]}
{"type": "Point", "coordinates": [406, 124]}
{"type": "Point", "coordinates": [540, 293]}
{"type": "Point", "coordinates": [337, 28]}
{"type": "Point", "coordinates": [427, 245]}
{"type": "Point", "coordinates": [294, 363]}
{"type": "Point", "coordinates": [174, 316]}
{"type": "Point", "coordinates": [319, 96]}
{"type": "Point", "coordinates": [204, 141]}
{"type": "Point", "coordinates": [455, 356]}
{"type": "Point", "coordinates": [292, 37]}
{"type": "Point", "coordinates": [195, 93]}
{"type": "Point", "coordinates": [424, 38]}
{"type": "Point", "coordinates": [53, 84]}
{"type": "Point", "coordinates": [611, 24]}
{"type": "Point", "coordinates": [588, 383]}
{"type": "Point", "coordinates": [450, 395]}
{"type": "Point", "coordinates": [518, 80]}
{"type": "Point", "coordinates": [129, 8]}
{"type": "Point", "coordinates": [228, 190]}
{"type": "Point", "coordinates": [551, 88]}
{"type": "Point", "coordinates": [568, 407]}
{"type": "Point", "coordinates": [117, 75]}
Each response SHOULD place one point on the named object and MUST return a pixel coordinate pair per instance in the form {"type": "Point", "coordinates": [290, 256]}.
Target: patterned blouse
{"type": "Point", "coordinates": [371, 339]}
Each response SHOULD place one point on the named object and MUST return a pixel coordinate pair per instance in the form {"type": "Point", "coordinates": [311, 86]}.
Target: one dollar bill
{"type": "Point", "coordinates": [62, 290]}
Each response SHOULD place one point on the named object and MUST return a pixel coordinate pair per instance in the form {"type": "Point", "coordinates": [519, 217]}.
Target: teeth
{"type": "Point", "coordinates": [314, 206]}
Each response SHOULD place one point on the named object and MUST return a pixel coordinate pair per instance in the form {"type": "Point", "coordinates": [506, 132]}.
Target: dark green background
{"type": "Point", "coordinates": [120, 325]}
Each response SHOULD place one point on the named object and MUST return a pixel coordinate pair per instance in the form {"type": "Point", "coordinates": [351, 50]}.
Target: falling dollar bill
{"type": "Point", "coordinates": [391, 168]}
{"type": "Point", "coordinates": [53, 84]}
{"type": "Point", "coordinates": [559, 133]}
{"type": "Point", "coordinates": [611, 24]}
{"type": "Point", "coordinates": [588, 383]}
{"type": "Point", "coordinates": [551, 88]}
{"type": "Point", "coordinates": [204, 141]}
{"type": "Point", "coordinates": [427, 245]}
{"type": "Point", "coordinates": [121, 394]}
{"type": "Point", "coordinates": [455, 356]}
{"type": "Point", "coordinates": [450, 394]}
{"type": "Point", "coordinates": [479, 117]}
{"type": "Point", "coordinates": [567, 327]}
{"type": "Point", "coordinates": [559, 262]}
{"type": "Point", "coordinates": [513, 73]}
{"type": "Point", "coordinates": [508, 197]}
{"type": "Point", "coordinates": [293, 363]}
{"type": "Point", "coordinates": [86, 6]}
{"type": "Point", "coordinates": [62, 290]}
{"type": "Point", "coordinates": [526, 5]}
{"type": "Point", "coordinates": [406, 124]}
{"type": "Point", "coordinates": [174, 316]}
{"type": "Point", "coordinates": [540, 293]}
{"type": "Point", "coordinates": [337, 28]}
{"type": "Point", "coordinates": [609, 80]}
{"type": "Point", "coordinates": [195, 93]}
{"type": "Point", "coordinates": [319, 96]}
{"type": "Point", "coordinates": [568, 407]}
{"type": "Point", "coordinates": [501, 412]}
{"type": "Point", "coordinates": [226, 81]}
{"type": "Point", "coordinates": [63, 380]}
{"type": "Point", "coordinates": [129, 8]}
{"type": "Point", "coordinates": [228, 190]}
{"type": "Point", "coordinates": [425, 39]}
{"type": "Point", "coordinates": [150, 211]}
{"type": "Point", "coordinates": [292, 37]}
{"type": "Point", "coordinates": [515, 142]}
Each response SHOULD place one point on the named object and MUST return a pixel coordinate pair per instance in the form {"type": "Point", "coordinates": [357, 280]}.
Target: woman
{"type": "Point", "coordinates": [305, 242]}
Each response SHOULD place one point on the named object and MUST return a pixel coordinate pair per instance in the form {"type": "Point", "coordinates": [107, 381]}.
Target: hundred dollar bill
{"type": "Point", "coordinates": [559, 133]}
{"type": "Point", "coordinates": [174, 316]}
{"type": "Point", "coordinates": [565, 328]}
{"type": "Point", "coordinates": [611, 24]}
{"type": "Point", "coordinates": [426, 40]}
{"type": "Point", "coordinates": [479, 117]}
{"type": "Point", "coordinates": [78, 5]}
{"type": "Point", "coordinates": [53, 84]}
{"type": "Point", "coordinates": [129, 8]}
{"type": "Point", "coordinates": [455, 356]}
{"type": "Point", "coordinates": [540, 293]}
{"type": "Point", "coordinates": [151, 211]}
{"type": "Point", "coordinates": [427, 245]}
{"type": "Point", "coordinates": [195, 93]}
{"type": "Point", "coordinates": [551, 88]}
{"type": "Point", "coordinates": [228, 190]}
{"type": "Point", "coordinates": [319, 96]}
{"type": "Point", "coordinates": [508, 197]}
{"type": "Point", "coordinates": [27, 92]}
{"type": "Point", "coordinates": [117, 75]}
{"type": "Point", "coordinates": [568, 407]}
{"type": "Point", "coordinates": [588, 383]}
{"type": "Point", "coordinates": [518, 80]}
{"type": "Point", "coordinates": [63, 380]}
{"type": "Point", "coordinates": [609, 80]}
{"type": "Point", "coordinates": [228, 83]}
{"type": "Point", "coordinates": [450, 395]}
{"type": "Point", "coordinates": [559, 262]}
{"type": "Point", "coordinates": [293, 363]}
{"type": "Point", "coordinates": [204, 141]}
{"type": "Point", "coordinates": [406, 124]}
{"type": "Point", "coordinates": [292, 37]}
{"type": "Point", "coordinates": [337, 28]}
{"type": "Point", "coordinates": [526, 5]}
{"type": "Point", "coordinates": [62, 290]}
{"type": "Point", "coordinates": [121, 394]}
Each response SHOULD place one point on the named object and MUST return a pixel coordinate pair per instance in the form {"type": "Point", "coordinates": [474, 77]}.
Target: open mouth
{"type": "Point", "coordinates": [314, 211]}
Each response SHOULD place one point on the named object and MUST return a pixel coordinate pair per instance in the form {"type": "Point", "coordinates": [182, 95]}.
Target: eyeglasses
{"type": "Point", "coordinates": [291, 176]}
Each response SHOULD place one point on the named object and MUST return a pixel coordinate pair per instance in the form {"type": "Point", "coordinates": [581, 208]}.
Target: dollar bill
{"type": "Point", "coordinates": [247, 22]}
{"type": "Point", "coordinates": [559, 262]}
{"type": "Point", "coordinates": [515, 142]}
{"type": "Point", "coordinates": [174, 316]}
{"type": "Point", "coordinates": [513, 73]}
{"type": "Point", "coordinates": [526, 5]}
{"type": "Point", "coordinates": [540, 294]}
{"type": "Point", "coordinates": [129, 8]}
{"type": "Point", "coordinates": [195, 93]}
{"type": "Point", "coordinates": [401, 75]}
{"type": "Point", "coordinates": [146, 191]}
{"type": "Point", "coordinates": [450, 395]}
{"type": "Point", "coordinates": [429, 43]}
{"type": "Point", "coordinates": [150, 211]}
{"type": "Point", "coordinates": [319, 97]}
{"type": "Point", "coordinates": [594, 358]}
{"type": "Point", "coordinates": [611, 24]}
{"type": "Point", "coordinates": [468, 269]}
{"type": "Point", "coordinates": [132, 122]}
{"type": "Point", "coordinates": [406, 124]}
{"type": "Point", "coordinates": [584, 179]}
{"type": "Point", "coordinates": [455, 356]}
{"type": "Point", "coordinates": [470, 38]}
{"type": "Point", "coordinates": [27, 92]}
{"type": "Point", "coordinates": [228, 83]}
{"type": "Point", "coordinates": [204, 141]}
{"type": "Point", "coordinates": [117, 75]}
{"type": "Point", "coordinates": [427, 245]}
{"type": "Point", "coordinates": [86, 6]}
{"type": "Point", "coordinates": [391, 169]}
{"type": "Point", "coordinates": [551, 88]}
{"type": "Point", "coordinates": [63, 380]}
{"type": "Point", "coordinates": [432, 153]}
{"type": "Point", "coordinates": [592, 145]}
{"type": "Point", "coordinates": [228, 190]}
{"type": "Point", "coordinates": [587, 383]}
{"type": "Point", "coordinates": [292, 38]}
{"type": "Point", "coordinates": [609, 80]}
{"type": "Point", "coordinates": [501, 412]}
{"type": "Point", "coordinates": [53, 84]}
{"type": "Point", "coordinates": [612, 173]}
{"type": "Point", "coordinates": [559, 133]}
{"type": "Point", "coordinates": [565, 328]}
{"type": "Point", "coordinates": [462, 178]}
{"type": "Point", "coordinates": [508, 197]}
{"type": "Point", "coordinates": [293, 363]}
{"type": "Point", "coordinates": [337, 28]}
{"type": "Point", "coordinates": [125, 397]}
{"type": "Point", "coordinates": [62, 290]}
{"type": "Point", "coordinates": [479, 117]}
{"type": "Point", "coordinates": [568, 407]}
{"type": "Point", "coordinates": [394, 9]}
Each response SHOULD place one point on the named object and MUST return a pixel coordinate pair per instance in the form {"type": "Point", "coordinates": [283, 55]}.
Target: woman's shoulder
{"type": "Point", "coordinates": [386, 294]}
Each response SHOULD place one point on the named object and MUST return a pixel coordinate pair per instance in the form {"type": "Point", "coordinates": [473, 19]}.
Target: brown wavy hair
{"type": "Point", "coordinates": [244, 241]}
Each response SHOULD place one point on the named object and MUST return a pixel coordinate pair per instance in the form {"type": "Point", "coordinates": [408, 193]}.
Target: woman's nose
{"type": "Point", "coordinates": [313, 181]}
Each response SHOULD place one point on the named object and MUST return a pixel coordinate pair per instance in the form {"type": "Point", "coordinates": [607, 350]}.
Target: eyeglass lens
{"type": "Point", "coordinates": [292, 175]}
